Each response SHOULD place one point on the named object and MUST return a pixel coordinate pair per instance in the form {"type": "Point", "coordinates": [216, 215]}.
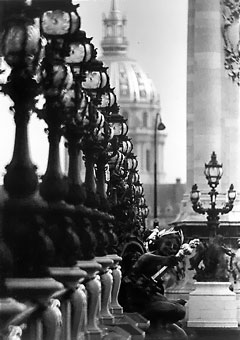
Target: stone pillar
{"type": "Point", "coordinates": [204, 111]}
{"type": "Point", "coordinates": [212, 108]}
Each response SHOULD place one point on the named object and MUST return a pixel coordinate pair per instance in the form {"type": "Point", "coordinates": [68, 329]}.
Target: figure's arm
{"type": "Point", "coordinates": [186, 249]}
{"type": "Point", "coordinates": [150, 262]}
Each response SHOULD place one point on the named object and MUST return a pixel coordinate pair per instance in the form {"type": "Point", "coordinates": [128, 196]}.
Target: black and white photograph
{"type": "Point", "coordinates": [119, 170]}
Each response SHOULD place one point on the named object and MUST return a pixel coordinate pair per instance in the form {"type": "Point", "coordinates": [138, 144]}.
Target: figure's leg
{"type": "Point", "coordinates": [165, 310]}
{"type": "Point", "coordinates": [162, 315]}
{"type": "Point", "coordinates": [159, 330]}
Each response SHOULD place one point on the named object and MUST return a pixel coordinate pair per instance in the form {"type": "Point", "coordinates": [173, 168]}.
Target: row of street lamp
{"type": "Point", "coordinates": [55, 73]}
{"type": "Point", "coordinates": [62, 230]}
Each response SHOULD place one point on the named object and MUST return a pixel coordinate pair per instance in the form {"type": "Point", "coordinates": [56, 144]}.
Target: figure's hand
{"type": "Point", "coordinates": [194, 243]}
{"type": "Point", "coordinates": [187, 248]}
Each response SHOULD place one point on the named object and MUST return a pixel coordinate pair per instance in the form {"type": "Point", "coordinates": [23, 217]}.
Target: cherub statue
{"type": "Point", "coordinates": [144, 289]}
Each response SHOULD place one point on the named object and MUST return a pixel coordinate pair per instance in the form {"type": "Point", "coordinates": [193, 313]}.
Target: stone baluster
{"type": "Point", "coordinates": [9, 308]}
{"type": "Point", "coordinates": [70, 277]}
{"type": "Point", "coordinates": [93, 288]}
{"type": "Point", "coordinates": [106, 279]}
{"type": "Point", "coordinates": [79, 312]}
{"type": "Point", "coordinates": [115, 308]}
{"type": "Point", "coordinates": [51, 319]}
{"type": "Point", "coordinates": [37, 291]}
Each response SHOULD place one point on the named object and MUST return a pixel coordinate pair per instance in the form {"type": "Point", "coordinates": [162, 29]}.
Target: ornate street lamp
{"type": "Point", "coordinates": [159, 126]}
{"type": "Point", "coordinates": [73, 130]}
{"type": "Point", "coordinates": [81, 50]}
{"type": "Point", "coordinates": [108, 102]}
{"type": "Point", "coordinates": [31, 74]}
{"type": "Point", "coordinates": [131, 162]}
{"type": "Point", "coordinates": [126, 147]}
{"type": "Point", "coordinates": [116, 162]}
{"type": "Point", "coordinates": [119, 125]}
{"type": "Point", "coordinates": [95, 79]}
{"type": "Point", "coordinates": [21, 47]}
{"type": "Point", "coordinates": [213, 172]}
{"type": "Point", "coordinates": [102, 167]}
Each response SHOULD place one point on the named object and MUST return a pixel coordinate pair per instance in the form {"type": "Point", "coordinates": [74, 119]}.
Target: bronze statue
{"type": "Point", "coordinates": [211, 260]}
{"type": "Point", "coordinates": [142, 288]}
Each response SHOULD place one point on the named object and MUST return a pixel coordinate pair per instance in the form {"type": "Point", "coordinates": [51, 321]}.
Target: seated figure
{"type": "Point", "coordinates": [142, 293]}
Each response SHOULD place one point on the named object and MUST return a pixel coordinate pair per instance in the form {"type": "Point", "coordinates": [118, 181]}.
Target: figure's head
{"type": "Point", "coordinates": [169, 242]}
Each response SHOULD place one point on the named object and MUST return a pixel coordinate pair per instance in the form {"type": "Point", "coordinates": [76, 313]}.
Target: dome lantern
{"type": "Point", "coordinates": [114, 41]}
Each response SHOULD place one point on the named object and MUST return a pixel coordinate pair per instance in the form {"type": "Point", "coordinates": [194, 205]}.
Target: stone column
{"type": "Point", "coordinates": [212, 108]}
{"type": "Point", "coordinates": [204, 85]}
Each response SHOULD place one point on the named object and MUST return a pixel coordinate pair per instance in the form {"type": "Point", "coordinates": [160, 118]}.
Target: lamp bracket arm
{"type": "Point", "coordinates": [198, 208]}
{"type": "Point", "coordinates": [227, 208]}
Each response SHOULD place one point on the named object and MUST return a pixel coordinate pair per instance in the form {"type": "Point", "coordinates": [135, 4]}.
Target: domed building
{"type": "Point", "coordinates": [138, 100]}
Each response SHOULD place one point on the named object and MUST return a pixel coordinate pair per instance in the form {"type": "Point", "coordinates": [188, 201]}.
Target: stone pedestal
{"type": "Point", "coordinates": [237, 291]}
{"type": "Point", "coordinates": [212, 304]}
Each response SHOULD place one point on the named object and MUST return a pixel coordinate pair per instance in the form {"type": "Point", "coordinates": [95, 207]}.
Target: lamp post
{"type": "Point", "coordinates": [212, 268]}
{"type": "Point", "coordinates": [213, 172]}
{"type": "Point", "coordinates": [158, 126]}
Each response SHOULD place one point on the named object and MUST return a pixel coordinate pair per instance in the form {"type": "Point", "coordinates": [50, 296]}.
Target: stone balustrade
{"type": "Point", "coordinates": [76, 303]}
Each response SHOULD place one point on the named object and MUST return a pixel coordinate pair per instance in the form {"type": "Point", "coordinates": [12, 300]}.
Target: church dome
{"type": "Point", "coordinates": [131, 83]}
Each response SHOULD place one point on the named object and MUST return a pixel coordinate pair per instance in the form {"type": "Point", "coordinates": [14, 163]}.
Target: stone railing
{"type": "Point", "coordinates": [79, 302]}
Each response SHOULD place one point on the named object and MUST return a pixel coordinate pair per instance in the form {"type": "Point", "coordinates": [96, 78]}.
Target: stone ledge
{"type": "Point", "coordinates": [213, 333]}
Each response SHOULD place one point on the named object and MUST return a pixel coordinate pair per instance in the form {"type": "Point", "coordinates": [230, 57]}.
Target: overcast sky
{"type": "Point", "coordinates": [157, 35]}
